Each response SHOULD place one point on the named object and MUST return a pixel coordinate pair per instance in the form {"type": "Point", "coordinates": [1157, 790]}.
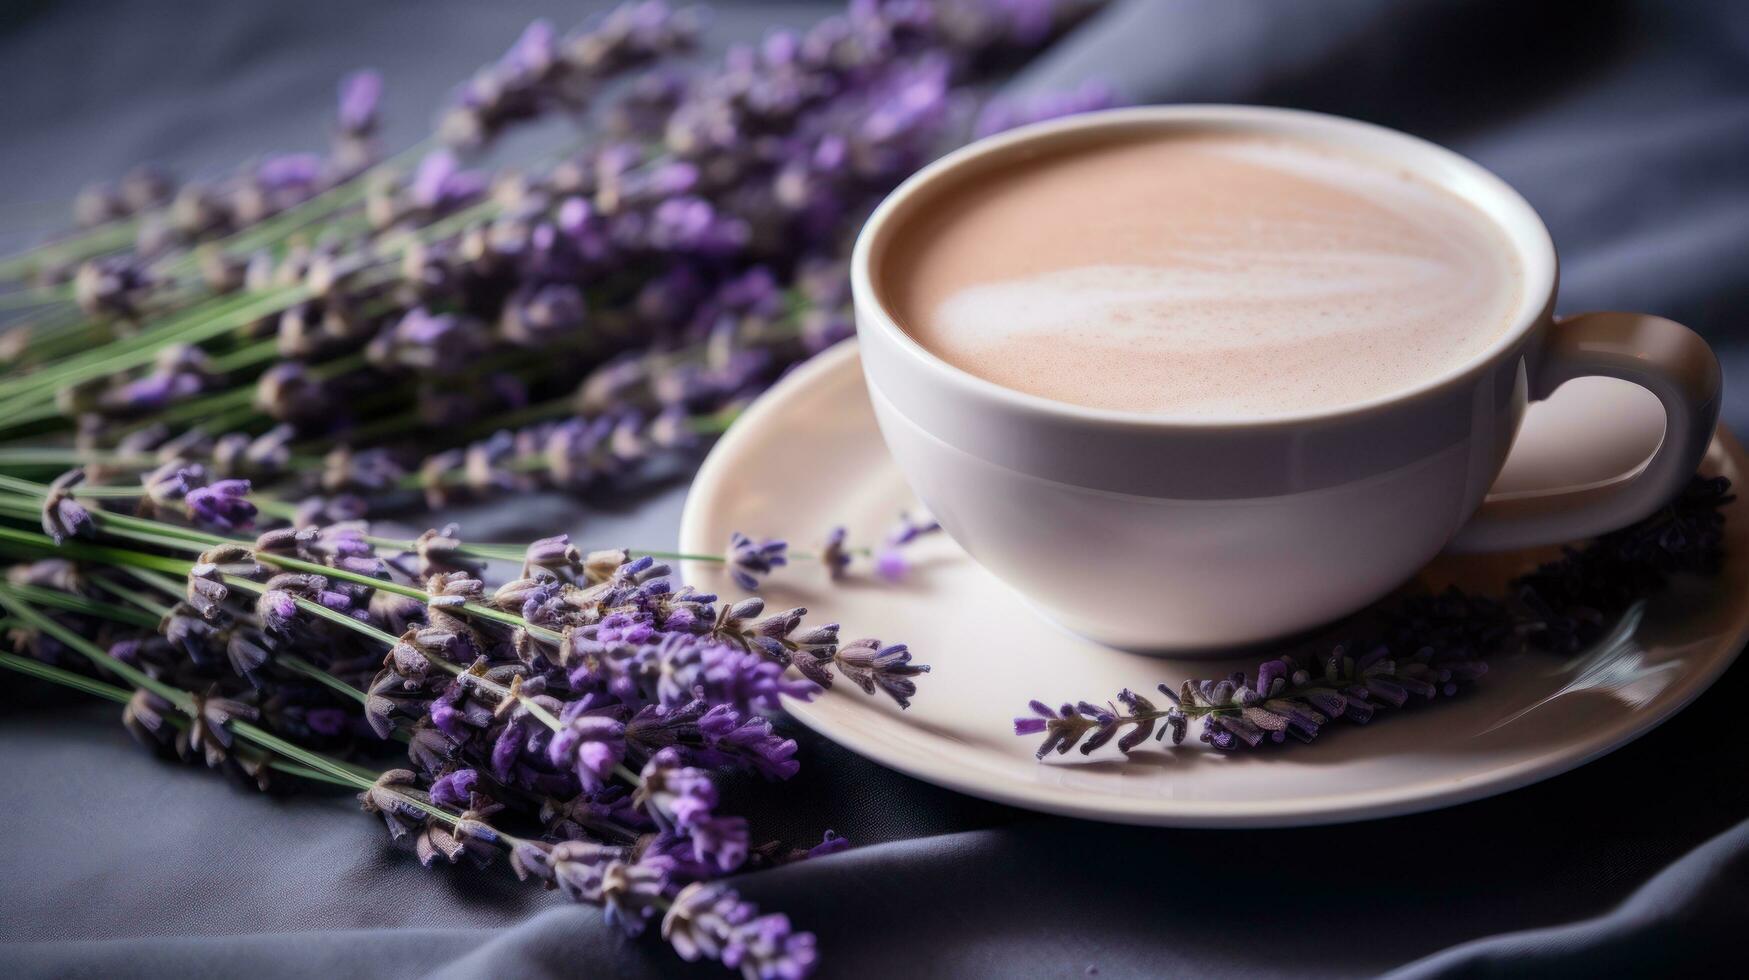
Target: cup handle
{"type": "Point", "coordinates": [1662, 356]}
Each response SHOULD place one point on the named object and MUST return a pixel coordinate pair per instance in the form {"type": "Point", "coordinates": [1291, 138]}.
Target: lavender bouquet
{"type": "Point", "coordinates": [576, 719]}
{"type": "Point", "coordinates": [207, 386]}
{"type": "Point", "coordinates": [439, 324]}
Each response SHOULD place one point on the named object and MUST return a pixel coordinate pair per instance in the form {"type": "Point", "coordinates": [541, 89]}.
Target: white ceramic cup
{"type": "Point", "coordinates": [1150, 532]}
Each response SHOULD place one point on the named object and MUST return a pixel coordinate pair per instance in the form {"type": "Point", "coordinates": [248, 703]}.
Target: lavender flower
{"type": "Point", "coordinates": [892, 565]}
{"type": "Point", "coordinates": [909, 529]}
{"type": "Point", "coordinates": [690, 666]}
{"type": "Point", "coordinates": [748, 561]}
{"type": "Point", "coordinates": [62, 516]}
{"type": "Point", "coordinates": [682, 801]}
{"type": "Point", "coordinates": [360, 94]}
{"type": "Point", "coordinates": [441, 185]}
{"type": "Point", "coordinates": [601, 874]}
{"type": "Point", "coordinates": [871, 666]}
{"type": "Point", "coordinates": [709, 921]}
{"type": "Point", "coordinates": [454, 789]}
{"type": "Point", "coordinates": [209, 735]}
{"type": "Point", "coordinates": [223, 504]}
{"type": "Point", "coordinates": [145, 718]}
{"type": "Point", "coordinates": [834, 555]}
{"type": "Point", "coordinates": [112, 288]}
{"type": "Point", "coordinates": [589, 745]}
{"type": "Point", "coordinates": [1005, 114]}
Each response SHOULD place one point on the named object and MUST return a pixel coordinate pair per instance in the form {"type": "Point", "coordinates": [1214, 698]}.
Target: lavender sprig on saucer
{"type": "Point", "coordinates": [1421, 647]}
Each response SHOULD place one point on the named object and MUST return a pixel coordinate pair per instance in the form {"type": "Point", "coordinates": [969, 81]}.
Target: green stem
{"type": "Point", "coordinates": [73, 602]}
{"type": "Point", "coordinates": [192, 326]}
{"type": "Point", "coordinates": [100, 657]}
{"type": "Point", "coordinates": [317, 609]}
{"type": "Point", "coordinates": [180, 698]}
{"type": "Point", "coordinates": [163, 583]}
{"type": "Point", "coordinates": [65, 678]}
{"type": "Point", "coordinates": [300, 665]}
{"type": "Point", "coordinates": [136, 597]}
{"type": "Point", "coordinates": [88, 685]}
{"type": "Point", "coordinates": [43, 545]}
{"type": "Point", "coordinates": [104, 238]}
{"type": "Point", "coordinates": [170, 536]}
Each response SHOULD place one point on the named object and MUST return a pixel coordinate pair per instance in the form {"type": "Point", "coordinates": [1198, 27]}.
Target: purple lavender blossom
{"type": "Point", "coordinates": [441, 185]}
{"type": "Point", "coordinates": [537, 316]}
{"type": "Point", "coordinates": [887, 668]}
{"type": "Point", "coordinates": [834, 555]}
{"type": "Point", "coordinates": [693, 666]}
{"type": "Point", "coordinates": [453, 789]}
{"type": "Point", "coordinates": [892, 565]}
{"type": "Point", "coordinates": [909, 529]}
{"type": "Point", "coordinates": [589, 745]}
{"type": "Point", "coordinates": [294, 172]}
{"type": "Point", "coordinates": [360, 94]}
{"type": "Point", "coordinates": [732, 738]}
{"type": "Point", "coordinates": [682, 801]}
{"type": "Point", "coordinates": [748, 561]}
{"type": "Point", "coordinates": [115, 287]}
{"type": "Point", "coordinates": [692, 224]}
{"type": "Point", "coordinates": [62, 516]}
{"type": "Point", "coordinates": [224, 504]}
{"type": "Point", "coordinates": [709, 921]}
{"type": "Point", "coordinates": [830, 844]}
{"type": "Point", "coordinates": [1004, 114]}
{"type": "Point", "coordinates": [535, 51]}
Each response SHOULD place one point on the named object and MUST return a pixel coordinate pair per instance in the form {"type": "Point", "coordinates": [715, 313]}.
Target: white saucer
{"type": "Point", "coordinates": [807, 456]}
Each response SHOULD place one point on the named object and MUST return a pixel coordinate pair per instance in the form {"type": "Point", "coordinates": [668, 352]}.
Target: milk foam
{"type": "Point", "coordinates": [1211, 275]}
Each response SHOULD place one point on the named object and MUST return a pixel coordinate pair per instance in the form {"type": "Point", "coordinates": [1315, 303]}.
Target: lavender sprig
{"type": "Point", "coordinates": [1427, 646]}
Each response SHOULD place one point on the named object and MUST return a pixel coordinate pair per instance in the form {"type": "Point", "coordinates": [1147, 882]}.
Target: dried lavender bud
{"type": "Point", "coordinates": [556, 555]}
{"type": "Point", "coordinates": [62, 516]}
{"type": "Point", "coordinates": [439, 553]}
{"type": "Point", "coordinates": [748, 561]}
{"type": "Point", "coordinates": [709, 921]}
{"type": "Point", "coordinates": [186, 630]}
{"type": "Point", "coordinates": [223, 504]}
{"type": "Point", "coordinates": [872, 667]}
{"type": "Point", "coordinates": [539, 315]}
{"type": "Point", "coordinates": [144, 715]}
{"type": "Point", "coordinates": [1004, 114]}
{"type": "Point", "coordinates": [206, 591]}
{"type": "Point", "coordinates": [287, 392]}
{"type": "Point", "coordinates": [589, 745]}
{"type": "Point", "coordinates": [834, 555]}
{"type": "Point", "coordinates": [167, 485]}
{"type": "Point", "coordinates": [909, 529]}
{"type": "Point", "coordinates": [454, 789]}
{"type": "Point", "coordinates": [394, 797]}
{"type": "Point", "coordinates": [209, 735]}
{"type": "Point", "coordinates": [112, 288]}
{"type": "Point", "coordinates": [682, 801]}
{"type": "Point", "coordinates": [247, 650]}
{"type": "Point", "coordinates": [360, 95]}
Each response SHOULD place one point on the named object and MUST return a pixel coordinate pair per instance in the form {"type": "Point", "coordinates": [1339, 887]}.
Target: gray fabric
{"type": "Point", "coordinates": [1626, 124]}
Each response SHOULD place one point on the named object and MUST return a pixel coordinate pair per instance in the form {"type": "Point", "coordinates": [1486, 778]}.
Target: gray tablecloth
{"type": "Point", "coordinates": [1625, 124]}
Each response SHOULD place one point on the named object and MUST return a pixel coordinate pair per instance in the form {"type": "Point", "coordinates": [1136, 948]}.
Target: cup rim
{"type": "Point", "coordinates": [1444, 167]}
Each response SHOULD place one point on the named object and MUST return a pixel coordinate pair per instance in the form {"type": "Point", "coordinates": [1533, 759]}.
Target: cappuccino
{"type": "Point", "coordinates": [1202, 274]}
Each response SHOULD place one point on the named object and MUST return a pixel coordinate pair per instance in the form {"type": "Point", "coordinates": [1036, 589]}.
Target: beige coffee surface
{"type": "Point", "coordinates": [1204, 275]}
